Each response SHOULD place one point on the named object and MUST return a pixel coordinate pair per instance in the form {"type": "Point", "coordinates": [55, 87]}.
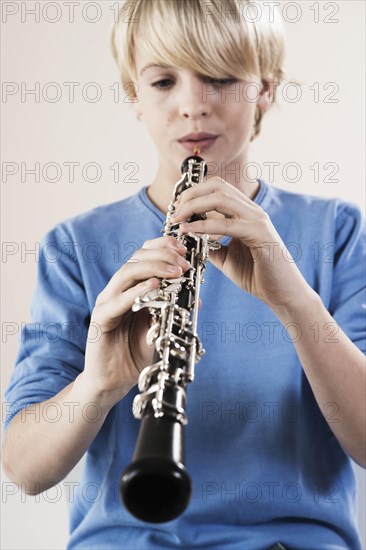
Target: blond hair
{"type": "Point", "coordinates": [216, 38]}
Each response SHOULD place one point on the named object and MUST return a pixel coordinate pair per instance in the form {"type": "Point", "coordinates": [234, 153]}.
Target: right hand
{"type": "Point", "coordinates": [113, 362]}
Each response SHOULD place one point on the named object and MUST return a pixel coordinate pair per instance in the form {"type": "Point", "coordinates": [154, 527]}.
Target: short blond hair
{"type": "Point", "coordinates": [216, 38]}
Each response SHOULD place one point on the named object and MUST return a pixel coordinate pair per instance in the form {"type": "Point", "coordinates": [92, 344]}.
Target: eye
{"type": "Point", "coordinates": [162, 84]}
{"type": "Point", "coordinates": [220, 81]}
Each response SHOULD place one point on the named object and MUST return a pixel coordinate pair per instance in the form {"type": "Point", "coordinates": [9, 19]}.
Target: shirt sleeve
{"type": "Point", "coordinates": [348, 300]}
{"type": "Point", "coordinates": [52, 345]}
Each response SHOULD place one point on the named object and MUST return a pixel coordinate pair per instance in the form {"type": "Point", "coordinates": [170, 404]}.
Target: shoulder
{"type": "Point", "coordinates": [97, 221]}
{"type": "Point", "coordinates": [350, 229]}
{"type": "Point", "coordinates": [284, 197]}
{"type": "Point", "coordinates": [315, 209]}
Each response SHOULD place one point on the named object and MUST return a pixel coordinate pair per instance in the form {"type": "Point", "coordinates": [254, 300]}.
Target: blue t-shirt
{"type": "Point", "coordinates": [264, 463]}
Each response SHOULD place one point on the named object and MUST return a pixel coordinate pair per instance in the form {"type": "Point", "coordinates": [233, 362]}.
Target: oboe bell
{"type": "Point", "coordinates": [156, 487]}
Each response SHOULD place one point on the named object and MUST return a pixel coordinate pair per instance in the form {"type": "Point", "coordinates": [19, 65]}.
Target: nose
{"type": "Point", "coordinates": [193, 101]}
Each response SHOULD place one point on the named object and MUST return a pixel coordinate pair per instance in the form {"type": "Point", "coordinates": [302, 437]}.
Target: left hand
{"type": "Point", "coordinates": [256, 259]}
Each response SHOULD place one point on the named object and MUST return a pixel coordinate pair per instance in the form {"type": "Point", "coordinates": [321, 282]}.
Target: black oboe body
{"type": "Point", "coordinates": [156, 487]}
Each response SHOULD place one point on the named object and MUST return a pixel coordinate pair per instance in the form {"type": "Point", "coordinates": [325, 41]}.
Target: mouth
{"type": "Point", "coordinates": [200, 140]}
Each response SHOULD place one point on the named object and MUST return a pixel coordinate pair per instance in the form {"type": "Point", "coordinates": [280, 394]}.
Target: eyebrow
{"type": "Point", "coordinates": [155, 65]}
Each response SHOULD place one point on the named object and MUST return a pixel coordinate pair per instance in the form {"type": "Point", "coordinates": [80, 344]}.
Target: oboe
{"type": "Point", "coordinates": [156, 486]}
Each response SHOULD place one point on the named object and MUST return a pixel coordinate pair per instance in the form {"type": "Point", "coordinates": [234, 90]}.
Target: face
{"type": "Point", "coordinates": [174, 102]}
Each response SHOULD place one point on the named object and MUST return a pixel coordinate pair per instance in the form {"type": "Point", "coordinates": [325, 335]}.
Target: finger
{"type": "Point", "coordinates": [212, 185]}
{"type": "Point", "coordinates": [218, 202]}
{"type": "Point", "coordinates": [152, 268]}
{"type": "Point", "coordinates": [162, 242]}
{"type": "Point", "coordinates": [165, 263]}
{"type": "Point", "coordinates": [107, 314]}
{"type": "Point", "coordinates": [251, 234]}
{"type": "Point", "coordinates": [170, 254]}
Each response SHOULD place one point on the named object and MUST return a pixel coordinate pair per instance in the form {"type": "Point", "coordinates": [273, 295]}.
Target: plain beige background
{"type": "Point", "coordinates": [319, 137]}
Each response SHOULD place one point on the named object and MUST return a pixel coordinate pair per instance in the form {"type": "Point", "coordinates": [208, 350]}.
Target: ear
{"type": "Point", "coordinates": [135, 106]}
{"type": "Point", "coordinates": [132, 98]}
{"type": "Point", "coordinates": [265, 101]}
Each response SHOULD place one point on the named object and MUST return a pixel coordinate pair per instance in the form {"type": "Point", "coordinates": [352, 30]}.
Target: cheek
{"type": "Point", "coordinates": [155, 127]}
{"type": "Point", "coordinates": [240, 116]}
{"type": "Point", "coordinates": [156, 106]}
{"type": "Point", "coordinates": [149, 106]}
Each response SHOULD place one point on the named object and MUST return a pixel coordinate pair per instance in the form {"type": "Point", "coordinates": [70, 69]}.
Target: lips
{"type": "Point", "coordinates": [200, 140]}
{"type": "Point", "coordinates": [197, 136]}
